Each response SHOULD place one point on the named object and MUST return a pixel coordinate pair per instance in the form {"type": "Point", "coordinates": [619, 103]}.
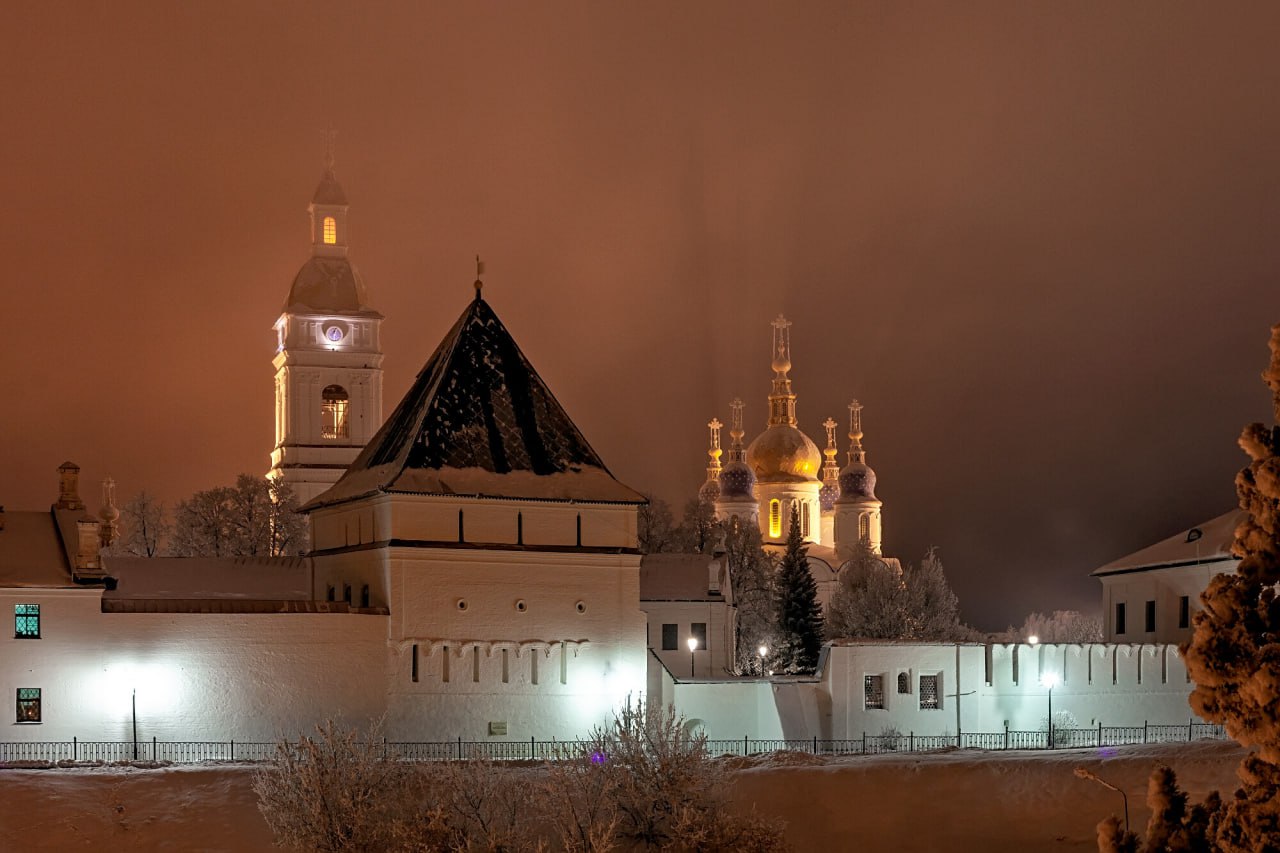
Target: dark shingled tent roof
{"type": "Point", "coordinates": [479, 420]}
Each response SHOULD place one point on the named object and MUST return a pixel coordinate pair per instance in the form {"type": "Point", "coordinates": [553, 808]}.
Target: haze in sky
{"type": "Point", "coordinates": [1038, 243]}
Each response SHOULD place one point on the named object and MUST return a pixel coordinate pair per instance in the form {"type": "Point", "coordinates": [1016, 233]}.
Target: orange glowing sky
{"type": "Point", "coordinates": [1038, 242]}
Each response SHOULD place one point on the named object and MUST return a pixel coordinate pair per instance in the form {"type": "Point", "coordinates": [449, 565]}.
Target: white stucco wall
{"type": "Point", "coordinates": [197, 676]}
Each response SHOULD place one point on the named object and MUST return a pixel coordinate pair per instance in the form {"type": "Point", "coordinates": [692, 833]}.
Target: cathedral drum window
{"type": "Point", "coordinates": [330, 230]}
{"type": "Point", "coordinates": [334, 405]}
{"type": "Point", "coordinates": [775, 519]}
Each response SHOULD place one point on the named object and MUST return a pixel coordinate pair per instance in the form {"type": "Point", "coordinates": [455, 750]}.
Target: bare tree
{"type": "Point", "coordinates": [145, 529]}
{"type": "Point", "coordinates": [875, 600]}
{"type": "Point", "coordinates": [655, 528]}
{"type": "Point", "coordinates": [1062, 626]}
{"type": "Point", "coordinates": [255, 518]}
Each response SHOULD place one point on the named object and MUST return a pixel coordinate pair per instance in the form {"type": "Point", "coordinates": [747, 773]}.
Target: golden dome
{"type": "Point", "coordinates": [783, 453]}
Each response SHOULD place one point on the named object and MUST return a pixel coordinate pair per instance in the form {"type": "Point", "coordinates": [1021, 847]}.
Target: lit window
{"type": "Point", "coordinates": [330, 230]}
{"type": "Point", "coordinates": [804, 519]}
{"type": "Point", "coordinates": [873, 691]}
{"type": "Point", "coordinates": [333, 412]}
{"type": "Point", "coordinates": [28, 704]}
{"type": "Point", "coordinates": [929, 693]}
{"type": "Point", "coordinates": [904, 683]}
{"type": "Point", "coordinates": [864, 526]}
{"type": "Point", "coordinates": [26, 621]}
{"type": "Point", "coordinates": [775, 519]}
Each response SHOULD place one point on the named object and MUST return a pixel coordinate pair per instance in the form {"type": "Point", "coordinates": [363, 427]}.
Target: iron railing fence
{"type": "Point", "coordinates": [192, 752]}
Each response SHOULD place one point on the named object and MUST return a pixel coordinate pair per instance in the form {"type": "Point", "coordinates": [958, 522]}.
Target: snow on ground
{"type": "Point", "coordinates": [955, 801]}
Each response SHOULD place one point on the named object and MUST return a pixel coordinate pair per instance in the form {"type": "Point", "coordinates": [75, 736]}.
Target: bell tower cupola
{"type": "Point", "coordinates": [328, 361]}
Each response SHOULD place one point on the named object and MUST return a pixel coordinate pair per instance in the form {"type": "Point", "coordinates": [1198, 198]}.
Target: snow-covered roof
{"type": "Point", "coordinates": [32, 551]}
{"type": "Point", "coordinates": [329, 285]}
{"type": "Point", "coordinates": [256, 578]}
{"type": "Point", "coordinates": [676, 577]}
{"type": "Point", "coordinates": [478, 420]}
{"type": "Point", "coordinates": [329, 191]}
{"type": "Point", "coordinates": [1205, 543]}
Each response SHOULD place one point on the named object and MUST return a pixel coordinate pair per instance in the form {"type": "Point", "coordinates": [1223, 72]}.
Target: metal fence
{"type": "Point", "coordinates": [192, 752]}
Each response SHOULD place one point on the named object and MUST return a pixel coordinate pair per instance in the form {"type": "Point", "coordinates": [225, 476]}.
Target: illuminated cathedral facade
{"type": "Point", "coordinates": [782, 471]}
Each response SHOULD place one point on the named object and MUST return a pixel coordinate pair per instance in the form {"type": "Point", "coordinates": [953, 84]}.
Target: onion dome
{"type": "Point", "coordinates": [857, 481]}
{"type": "Point", "coordinates": [710, 491]}
{"type": "Point", "coordinates": [827, 496]}
{"type": "Point", "coordinates": [737, 482]}
{"type": "Point", "coordinates": [782, 453]}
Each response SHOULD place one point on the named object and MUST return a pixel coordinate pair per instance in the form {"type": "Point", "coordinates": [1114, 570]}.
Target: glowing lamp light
{"type": "Point", "coordinates": [763, 650]}
{"type": "Point", "coordinates": [693, 644]}
{"type": "Point", "coordinates": [1033, 639]}
{"type": "Point", "coordinates": [1050, 680]}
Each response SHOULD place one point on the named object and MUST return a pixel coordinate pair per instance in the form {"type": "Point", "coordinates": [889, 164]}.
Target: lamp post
{"type": "Point", "coordinates": [693, 647]}
{"type": "Point", "coordinates": [1050, 680]}
{"type": "Point", "coordinates": [134, 709]}
{"type": "Point", "coordinates": [1085, 774]}
{"type": "Point", "coordinates": [763, 650]}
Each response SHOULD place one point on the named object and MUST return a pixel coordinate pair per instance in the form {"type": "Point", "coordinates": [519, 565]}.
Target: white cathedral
{"type": "Point", "coordinates": [474, 574]}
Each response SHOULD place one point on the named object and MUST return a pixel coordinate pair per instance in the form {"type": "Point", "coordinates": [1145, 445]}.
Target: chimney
{"type": "Point", "coordinates": [69, 487]}
{"type": "Point", "coordinates": [88, 565]}
{"type": "Point", "coordinates": [714, 575]}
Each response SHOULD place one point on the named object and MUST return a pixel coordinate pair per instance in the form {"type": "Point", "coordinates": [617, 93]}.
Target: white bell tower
{"type": "Point", "coordinates": [328, 357]}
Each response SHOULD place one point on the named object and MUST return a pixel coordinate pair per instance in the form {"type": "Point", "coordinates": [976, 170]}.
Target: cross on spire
{"type": "Point", "coordinates": [330, 136]}
{"type": "Point", "coordinates": [479, 273]}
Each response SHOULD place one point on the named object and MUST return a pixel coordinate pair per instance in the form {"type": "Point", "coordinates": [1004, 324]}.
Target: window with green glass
{"type": "Point", "coordinates": [26, 621]}
{"type": "Point", "coordinates": [28, 704]}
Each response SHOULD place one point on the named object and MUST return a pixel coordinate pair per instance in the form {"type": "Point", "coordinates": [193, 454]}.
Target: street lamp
{"type": "Point", "coordinates": [1085, 774]}
{"type": "Point", "coordinates": [1050, 680]}
{"type": "Point", "coordinates": [1033, 640]}
{"type": "Point", "coordinates": [135, 723]}
{"type": "Point", "coordinates": [693, 647]}
{"type": "Point", "coordinates": [763, 650]}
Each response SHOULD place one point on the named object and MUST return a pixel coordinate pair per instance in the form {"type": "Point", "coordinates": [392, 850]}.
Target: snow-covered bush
{"type": "Point", "coordinates": [668, 792]}
{"type": "Point", "coordinates": [340, 791]}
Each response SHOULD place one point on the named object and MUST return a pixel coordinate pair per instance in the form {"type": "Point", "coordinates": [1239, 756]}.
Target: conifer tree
{"type": "Point", "coordinates": [799, 615]}
{"type": "Point", "coordinates": [1234, 655]}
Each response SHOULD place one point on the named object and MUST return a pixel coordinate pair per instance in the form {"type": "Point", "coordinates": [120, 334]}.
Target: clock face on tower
{"type": "Point", "coordinates": [334, 334]}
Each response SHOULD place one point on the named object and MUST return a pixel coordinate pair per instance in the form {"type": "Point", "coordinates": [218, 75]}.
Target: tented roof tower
{"type": "Point", "coordinates": [479, 421]}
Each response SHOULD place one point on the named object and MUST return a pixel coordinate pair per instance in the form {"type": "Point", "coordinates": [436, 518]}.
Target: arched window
{"type": "Point", "coordinates": [864, 526]}
{"type": "Point", "coordinates": [804, 519]}
{"type": "Point", "coordinates": [904, 683]}
{"type": "Point", "coordinates": [775, 519]}
{"type": "Point", "coordinates": [333, 412]}
{"type": "Point", "coordinates": [330, 230]}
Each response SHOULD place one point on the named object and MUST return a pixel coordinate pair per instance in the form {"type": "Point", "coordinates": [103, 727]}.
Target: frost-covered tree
{"type": "Point", "coordinates": [751, 574]}
{"type": "Point", "coordinates": [1062, 626]}
{"type": "Point", "coordinates": [1234, 655]}
{"type": "Point", "coordinates": [698, 531]}
{"type": "Point", "coordinates": [144, 527]}
{"type": "Point", "coordinates": [799, 632]}
{"type": "Point", "coordinates": [256, 517]}
{"type": "Point", "coordinates": [874, 600]}
{"type": "Point", "coordinates": [655, 527]}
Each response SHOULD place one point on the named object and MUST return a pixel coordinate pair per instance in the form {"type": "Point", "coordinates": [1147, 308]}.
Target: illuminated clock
{"type": "Point", "coordinates": [335, 334]}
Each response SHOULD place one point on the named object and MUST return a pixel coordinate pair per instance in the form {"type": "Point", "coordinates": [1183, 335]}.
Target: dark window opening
{"type": "Point", "coordinates": [364, 596]}
{"type": "Point", "coordinates": [414, 664]}
{"type": "Point", "coordinates": [1151, 616]}
{"type": "Point", "coordinates": [1120, 618]}
{"type": "Point", "coordinates": [670, 637]}
{"type": "Point", "coordinates": [330, 593]}
{"type": "Point", "coordinates": [461, 536]}
{"type": "Point", "coordinates": [346, 593]}
{"type": "Point", "coordinates": [1184, 612]}
{"type": "Point", "coordinates": [579, 530]}
{"type": "Point", "coordinates": [698, 630]}
{"type": "Point", "coordinates": [334, 404]}
{"type": "Point", "coordinates": [519, 528]}
{"type": "Point", "coordinates": [28, 704]}
{"type": "Point", "coordinates": [904, 683]}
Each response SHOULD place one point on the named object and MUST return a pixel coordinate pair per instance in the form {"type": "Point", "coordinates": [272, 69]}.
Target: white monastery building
{"type": "Point", "coordinates": [474, 575]}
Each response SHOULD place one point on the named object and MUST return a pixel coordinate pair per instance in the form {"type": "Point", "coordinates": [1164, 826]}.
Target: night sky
{"type": "Point", "coordinates": [1037, 241]}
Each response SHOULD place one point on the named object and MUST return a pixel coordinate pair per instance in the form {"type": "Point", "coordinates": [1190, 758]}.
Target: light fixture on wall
{"type": "Point", "coordinates": [764, 651]}
{"type": "Point", "coordinates": [693, 647]}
